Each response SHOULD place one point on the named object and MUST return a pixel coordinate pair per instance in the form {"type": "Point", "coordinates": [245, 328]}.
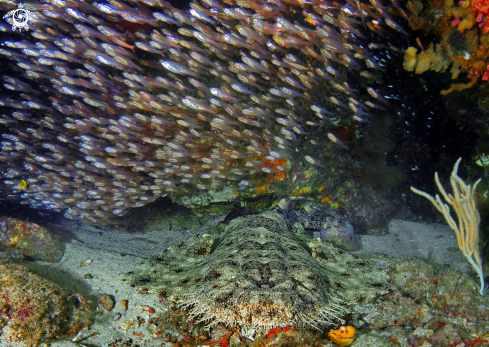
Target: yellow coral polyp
{"type": "Point", "coordinates": [466, 23]}
{"type": "Point", "coordinates": [410, 59]}
{"type": "Point", "coordinates": [261, 189]}
{"type": "Point", "coordinates": [343, 336]}
{"type": "Point", "coordinates": [302, 191]}
{"type": "Point", "coordinates": [336, 204]}
{"type": "Point", "coordinates": [325, 199]}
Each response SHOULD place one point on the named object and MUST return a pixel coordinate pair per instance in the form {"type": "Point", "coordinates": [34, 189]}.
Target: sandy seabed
{"type": "Point", "coordinates": [95, 262]}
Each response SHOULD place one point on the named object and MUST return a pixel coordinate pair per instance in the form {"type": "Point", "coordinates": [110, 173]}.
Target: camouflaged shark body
{"type": "Point", "coordinates": [259, 274]}
{"type": "Point", "coordinates": [339, 232]}
{"type": "Point", "coordinates": [317, 221]}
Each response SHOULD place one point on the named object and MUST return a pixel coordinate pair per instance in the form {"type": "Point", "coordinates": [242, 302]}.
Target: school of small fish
{"type": "Point", "coordinates": [111, 105]}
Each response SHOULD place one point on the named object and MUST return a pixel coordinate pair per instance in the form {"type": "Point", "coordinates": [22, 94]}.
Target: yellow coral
{"type": "Point", "coordinates": [301, 191]}
{"type": "Point", "coordinates": [434, 58]}
{"type": "Point", "coordinates": [409, 59]}
{"type": "Point", "coordinates": [424, 60]}
{"type": "Point", "coordinates": [336, 204]}
{"type": "Point", "coordinates": [466, 23]}
{"type": "Point", "coordinates": [261, 189]}
{"type": "Point", "coordinates": [468, 219]}
{"type": "Point", "coordinates": [460, 86]}
{"type": "Point", "coordinates": [463, 44]}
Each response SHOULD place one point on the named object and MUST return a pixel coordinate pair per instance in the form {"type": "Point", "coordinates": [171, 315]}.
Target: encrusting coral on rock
{"type": "Point", "coordinates": [430, 59]}
{"type": "Point", "coordinates": [461, 27]}
{"type": "Point", "coordinates": [34, 309]}
{"type": "Point", "coordinates": [29, 239]}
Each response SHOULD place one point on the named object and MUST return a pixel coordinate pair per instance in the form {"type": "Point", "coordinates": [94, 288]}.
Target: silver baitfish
{"type": "Point", "coordinates": [113, 105]}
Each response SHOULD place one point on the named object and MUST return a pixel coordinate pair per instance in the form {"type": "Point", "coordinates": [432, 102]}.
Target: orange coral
{"type": "Point", "coordinates": [460, 86]}
{"type": "Point", "coordinates": [482, 8]}
{"type": "Point", "coordinates": [223, 341]}
{"type": "Point", "coordinates": [343, 336]}
{"type": "Point", "coordinates": [463, 27]}
{"type": "Point", "coordinates": [273, 332]}
{"type": "Point", "coordinates": [326, 198]}
{"type": "Point", "coordinates": [261, 189]}
{"type": "Point", "coordinates": [278, 165]}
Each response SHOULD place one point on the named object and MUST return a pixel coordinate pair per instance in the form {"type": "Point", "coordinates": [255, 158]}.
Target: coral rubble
{"type": "Point", "coordinates": [434, 306]}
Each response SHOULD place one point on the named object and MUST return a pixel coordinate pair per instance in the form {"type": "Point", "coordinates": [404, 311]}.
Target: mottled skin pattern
{"type": "Point", "coordinates": [260, 275]}
{"type": "Point", "coordinates": [337, 231]}
{"type": "Point", "coordinates": [317, 221]}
